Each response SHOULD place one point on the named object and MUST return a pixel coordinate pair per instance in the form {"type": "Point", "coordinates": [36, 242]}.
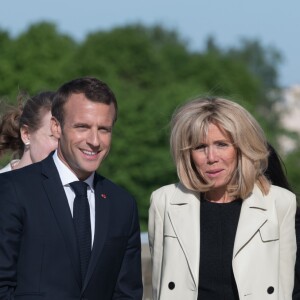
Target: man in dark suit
{"type": "Point", "coordinates": [66, 232]}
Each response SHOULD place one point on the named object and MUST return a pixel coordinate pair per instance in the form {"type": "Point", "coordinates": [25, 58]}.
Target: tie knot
{"type": "Point", "coordinates": [79, 188]}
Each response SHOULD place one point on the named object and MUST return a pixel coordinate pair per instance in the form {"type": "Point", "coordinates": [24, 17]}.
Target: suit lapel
{"type": "Point", "coordinates": [59, 203]}
{"type": "Point", "coordinates": [101, 224]}
{"type": "Point", "coordinates": [252, 217]}
{"type": "Point", "coordinates": [184, 214]}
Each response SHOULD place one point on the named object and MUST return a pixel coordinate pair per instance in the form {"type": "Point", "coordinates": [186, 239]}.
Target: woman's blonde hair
{"type": "Point", "coordinates": [189, 126]}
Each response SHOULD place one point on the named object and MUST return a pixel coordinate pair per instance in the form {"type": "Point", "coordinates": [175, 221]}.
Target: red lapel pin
{"type": "Point", "coordinates": [103, 196]}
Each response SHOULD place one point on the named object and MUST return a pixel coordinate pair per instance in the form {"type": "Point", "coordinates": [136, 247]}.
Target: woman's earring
{"type": "Point", "coordinates": [27, 144]}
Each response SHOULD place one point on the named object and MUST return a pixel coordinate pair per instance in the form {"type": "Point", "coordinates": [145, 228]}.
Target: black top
{"type": "Point", "coordinates": [218, 224]}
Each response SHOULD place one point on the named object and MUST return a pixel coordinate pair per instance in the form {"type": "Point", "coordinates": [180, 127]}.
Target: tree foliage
{"type": "Point", "coordinates": [152, 71]}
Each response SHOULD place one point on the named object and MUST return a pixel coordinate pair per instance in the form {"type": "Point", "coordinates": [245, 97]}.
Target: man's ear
{"type": "Point", "coordinates": [55, 127]}
{"type": "Point", "coordinates": [25, 135]}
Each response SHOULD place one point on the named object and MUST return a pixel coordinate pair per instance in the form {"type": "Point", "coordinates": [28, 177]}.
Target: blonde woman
{"type": "Point", "coordinates": [223, 231]}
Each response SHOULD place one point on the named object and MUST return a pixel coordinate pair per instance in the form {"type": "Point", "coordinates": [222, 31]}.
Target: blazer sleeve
{"type": "Point", "coordinates": [10, 236]}
{"type": "Point", "coordinates": [286, 216]}
{"type": "Point", "coordinates": [129, 284]}
{"type": "Point", "coordinates": [155, 234]}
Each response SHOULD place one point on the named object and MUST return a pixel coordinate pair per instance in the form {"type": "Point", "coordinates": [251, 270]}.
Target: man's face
{"type": "Point", "coordinates": [85, 138]}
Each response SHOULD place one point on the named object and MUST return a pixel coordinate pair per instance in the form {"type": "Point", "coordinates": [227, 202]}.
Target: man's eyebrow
{"type": "Point", "coordinates": [79, 124]}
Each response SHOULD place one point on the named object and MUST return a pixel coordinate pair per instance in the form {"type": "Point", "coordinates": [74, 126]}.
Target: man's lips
{"type": "Point", "coordinates": [90, 154]}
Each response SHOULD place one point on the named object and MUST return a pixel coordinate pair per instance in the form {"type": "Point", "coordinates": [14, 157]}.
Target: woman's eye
{"type": "Point", "coordinates": [222, 145]}
{"type": "Point", "coordinates": [200, 147]}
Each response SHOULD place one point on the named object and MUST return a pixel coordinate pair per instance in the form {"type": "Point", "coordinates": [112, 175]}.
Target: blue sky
{"type": "Point", "coordinates": [275, 23]}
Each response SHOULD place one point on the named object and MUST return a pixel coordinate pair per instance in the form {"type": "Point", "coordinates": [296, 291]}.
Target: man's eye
{"type": "Point", "coordinates": [105, 129]}
{"type": "Point", "coordinates": [80, 126]}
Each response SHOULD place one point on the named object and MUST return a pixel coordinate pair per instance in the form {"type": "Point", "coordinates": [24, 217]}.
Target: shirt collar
{"type": "Point", "coordinates": [67, 176]}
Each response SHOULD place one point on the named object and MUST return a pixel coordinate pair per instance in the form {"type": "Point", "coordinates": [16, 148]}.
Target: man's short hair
{"type": "Point", "coordinates": [93, 89]}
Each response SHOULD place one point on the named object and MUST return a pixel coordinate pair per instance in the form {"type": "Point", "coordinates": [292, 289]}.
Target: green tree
{"type": "Point", "coordinates": [152, 71]}
{"type": "Point", "coordinates": [292, 164]}
{"type": "Point", "coordinates": [38, 59]}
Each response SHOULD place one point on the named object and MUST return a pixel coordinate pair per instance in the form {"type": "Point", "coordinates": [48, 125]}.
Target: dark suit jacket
{"type": "Point", "coordinates": [39, 257]}
{"type": "Point", "coordinates": [296, 294]}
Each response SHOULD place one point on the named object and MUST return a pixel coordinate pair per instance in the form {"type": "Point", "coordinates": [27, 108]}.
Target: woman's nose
{"type": "Point", "coordinates": [211, 154]}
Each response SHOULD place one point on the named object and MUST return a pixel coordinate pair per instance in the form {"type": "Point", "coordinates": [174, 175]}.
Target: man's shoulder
{"type": "Point", "coordinates": [32, 173]}
{"type": "Point", "coordinates": [110, 187]}
{"type": "Point", "coordinates": [25, 172]}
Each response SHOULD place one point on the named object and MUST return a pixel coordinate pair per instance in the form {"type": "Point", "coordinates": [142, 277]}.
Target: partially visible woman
{"type": "Point", "coordinates": [26, 132]}
{"type": "Point", "coordinates": [275, 171]}
{"type": "Point", "coordinates": [296, 293]}
{"type": "Point", "coordinates": [277, 175]}
{"type": "Point", "coordinates": [223, 231]}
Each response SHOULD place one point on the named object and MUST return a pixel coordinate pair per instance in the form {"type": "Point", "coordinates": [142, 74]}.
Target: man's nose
{"type": "Point", "coordinates": [93, 138]}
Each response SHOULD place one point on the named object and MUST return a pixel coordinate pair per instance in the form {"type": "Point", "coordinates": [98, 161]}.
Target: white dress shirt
{"type": "Point", "coordinates": [67, 176]}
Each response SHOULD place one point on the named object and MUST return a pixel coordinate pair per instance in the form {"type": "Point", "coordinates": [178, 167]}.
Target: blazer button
{"type": "Point", "coordinates": [270, 290]}
{"type": "Point", "coordinates": [171, 285]}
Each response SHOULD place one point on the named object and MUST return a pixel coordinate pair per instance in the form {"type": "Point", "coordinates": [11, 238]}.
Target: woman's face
{"type": "Point", "coordinates": [42, 142]}
{"type": "Point", "coordinates": [216, 160]}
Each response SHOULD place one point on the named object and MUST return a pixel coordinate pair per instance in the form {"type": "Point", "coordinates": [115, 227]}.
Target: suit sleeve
{"type": "Point", "coordinates": [129, 284]}
{"type": "Point", "coordinates": [287, 248]}
{"type": "Point", "coordinates": [10, 235]}
{"type": "Point", "coordinates": [155, 232]}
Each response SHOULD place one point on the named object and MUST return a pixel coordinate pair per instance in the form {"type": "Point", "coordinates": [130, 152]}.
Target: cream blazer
{"type": "Point", "coordinates": [264, 249]}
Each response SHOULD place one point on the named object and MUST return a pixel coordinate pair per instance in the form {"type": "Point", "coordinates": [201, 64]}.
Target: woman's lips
{"type": "Point", "coordinates": [213, 173]}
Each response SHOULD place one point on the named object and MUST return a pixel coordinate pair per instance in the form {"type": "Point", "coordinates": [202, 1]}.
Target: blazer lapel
{"type": "Point", "coordinates": [252, 217]}
{"type": "Point", "coordinates": [101, 224]}
{"type": "Point", "coordinates": [59, 203]}
{"type": "Point", "coordinates": [184, 214]}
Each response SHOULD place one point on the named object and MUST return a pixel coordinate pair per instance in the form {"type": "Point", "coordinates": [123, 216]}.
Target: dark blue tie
{"type": "Point", "coordinates": [82, 224]}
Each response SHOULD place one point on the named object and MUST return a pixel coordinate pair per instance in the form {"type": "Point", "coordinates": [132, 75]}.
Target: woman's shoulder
{"type": "Point", "coordinates": [279, 197]}
{"type": "Point", "coordinates": [166, 189]}
{"type": "Point", "coordinates": [284, 199]}
{"type": "Point", "coordinates": [275, 193]}
{"type": "Point", "coordinates": [8, 167]}
{"type": "Point", "coordinates": [170, 189]}
{"type": "Point", "coordinates": [281, 194]}
{"type": "Point", "coordinates": [172, 193]}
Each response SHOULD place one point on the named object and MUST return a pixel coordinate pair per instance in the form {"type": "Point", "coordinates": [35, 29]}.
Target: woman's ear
{"type": "Point", "coordinates": [55, 127]}
{"type": "Point", "coordinates": [25, 135]}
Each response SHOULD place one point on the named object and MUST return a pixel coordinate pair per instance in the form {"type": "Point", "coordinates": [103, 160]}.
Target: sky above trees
{"type": "Point", "coordinates": [274, 23]}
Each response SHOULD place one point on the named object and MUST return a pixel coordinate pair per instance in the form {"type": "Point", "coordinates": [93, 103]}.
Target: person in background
{"type": "Point", "coordinates": [275, 171]}
{"type": "Point", "coordinates": [296, 292]}
{"type": "Point", "coordinates": [26, 132]}
{"type": "Point", "coordinates": [223, 231]}
{"type": "Point", "coordinates": [67, 232]}
{"type": "Point", "coordinates": [277, 175]}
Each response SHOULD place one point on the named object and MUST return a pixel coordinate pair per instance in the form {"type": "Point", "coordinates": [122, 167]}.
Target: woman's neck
{"type": "Point", "coordinates": [23, 162]}
{"type": "Point", "coordinates": [218, 197]}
